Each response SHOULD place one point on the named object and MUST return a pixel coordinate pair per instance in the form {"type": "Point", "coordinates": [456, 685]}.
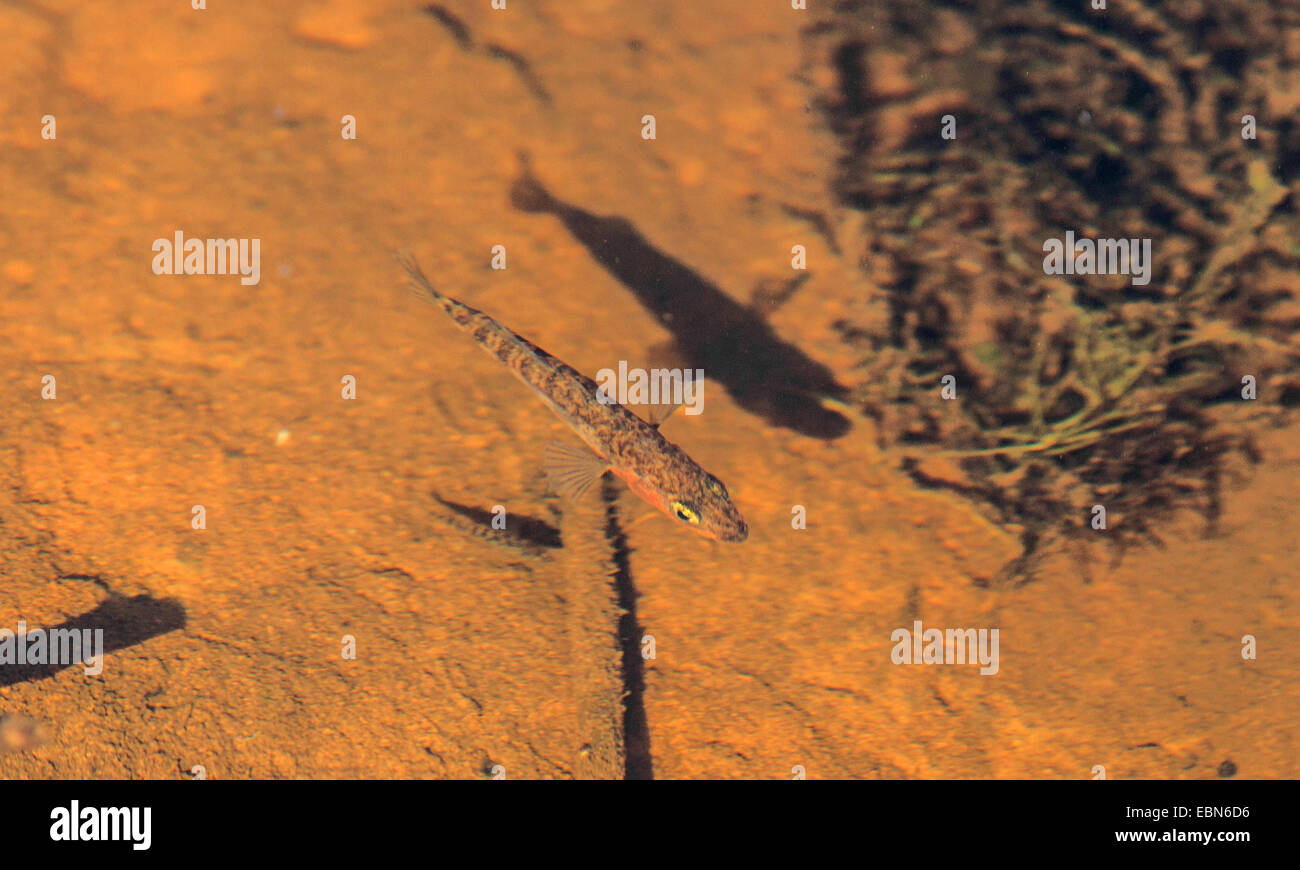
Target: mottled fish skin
{"type": "Point", "coordinates": [653, 467]}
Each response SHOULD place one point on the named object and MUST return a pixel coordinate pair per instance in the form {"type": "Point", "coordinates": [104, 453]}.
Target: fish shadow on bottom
{"type": "Point", "coordinates": [125, 622]}
{"type": "Point", "coordinates": [732, 343]}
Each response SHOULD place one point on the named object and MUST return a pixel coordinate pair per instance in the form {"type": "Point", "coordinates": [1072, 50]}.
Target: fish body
{"type": "Point", "coordinates": [653, 467]}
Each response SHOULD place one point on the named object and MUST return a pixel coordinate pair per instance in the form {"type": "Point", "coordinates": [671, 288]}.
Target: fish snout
{"type": "Point", "coordinates": [735, 531]}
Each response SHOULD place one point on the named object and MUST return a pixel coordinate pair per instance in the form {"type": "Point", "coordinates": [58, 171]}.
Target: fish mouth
{"type": "Point", "coordinates": [738, 535]}
{"type": "Point", "coordinates": [728, 535]}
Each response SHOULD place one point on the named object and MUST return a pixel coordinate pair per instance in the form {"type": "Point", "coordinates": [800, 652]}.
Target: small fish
{"type": "Point", "coordinates": [653, 467]}
{"type": "Point", "coordinates": [532, 537]}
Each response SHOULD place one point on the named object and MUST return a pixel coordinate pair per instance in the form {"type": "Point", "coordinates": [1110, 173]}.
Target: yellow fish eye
{"type": "Point", "coordinates": [685, 514]}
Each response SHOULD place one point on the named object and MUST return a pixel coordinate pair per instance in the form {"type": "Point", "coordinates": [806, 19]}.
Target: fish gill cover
{"type": "Point", "coordinates": [1072, 389]}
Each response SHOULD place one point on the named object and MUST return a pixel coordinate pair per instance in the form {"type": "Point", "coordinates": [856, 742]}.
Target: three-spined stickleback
{"type": "Point", "coordinates": [653, 467]}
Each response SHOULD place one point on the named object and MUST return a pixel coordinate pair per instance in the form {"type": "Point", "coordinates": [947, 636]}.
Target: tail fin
{"type": "Point", "coordinates": [527, 193]}
{"type": "Point", "coordinates": [419, 284]}
{"type": "Point", "coordinates": [466, 318]}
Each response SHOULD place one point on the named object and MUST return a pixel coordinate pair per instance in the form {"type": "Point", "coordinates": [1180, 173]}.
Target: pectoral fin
{"type": "Point", "coordinates": [665, 355]}
{"type": "Point", "coordinates": [656, 414]}
{"type": "Point", "coordinates": [572, 470]}
{"type": "Point", "coordinates": [770, 294]}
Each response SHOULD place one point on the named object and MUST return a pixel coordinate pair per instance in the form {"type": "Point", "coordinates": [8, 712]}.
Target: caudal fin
{"type": "Point", "coordinates": [419, 284]}
{"type": "Point", "coordinates": [527, 193]}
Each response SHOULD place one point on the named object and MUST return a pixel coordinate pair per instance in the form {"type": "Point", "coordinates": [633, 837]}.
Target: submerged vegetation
{"type": "Point", "coordinates": [1080, 390]}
